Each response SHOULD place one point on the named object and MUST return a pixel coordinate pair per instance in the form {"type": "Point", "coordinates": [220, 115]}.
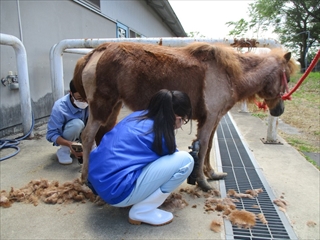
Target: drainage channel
{"type": "Point", "coordinates": [234, 157]}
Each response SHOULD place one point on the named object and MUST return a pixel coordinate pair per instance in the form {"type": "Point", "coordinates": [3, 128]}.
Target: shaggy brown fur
{"type": "Point", "coordinates": [311, 224]}
{"type": "Point", "coordinates": [250, 193]}
{"type": "Point", "coordinates": [54, 193]}
{"type": "Point", "coordinates": [174, 201]}
{"type": "Point", "coordinates": [262, 218]}
{"type": "Point", "coordinates": [215, 77]}
{"type": "Point", "coordinates": [254, 192]}
{"type": "Point", "coordinates": [216, 226]}
{"type": "Point", "coordinates": [49, 192]}
{"type": "Point", "coordinates": [282, 204]}
{"type": "Point", "coordinates": [242, 218]}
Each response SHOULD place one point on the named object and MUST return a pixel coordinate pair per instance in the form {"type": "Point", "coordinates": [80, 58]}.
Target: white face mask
{"type": "Point", "coordinates": [79, 104]}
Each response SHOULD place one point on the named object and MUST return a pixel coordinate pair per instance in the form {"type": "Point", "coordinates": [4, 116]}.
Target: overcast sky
{"type": "Point", "coordinates": [209, 17]}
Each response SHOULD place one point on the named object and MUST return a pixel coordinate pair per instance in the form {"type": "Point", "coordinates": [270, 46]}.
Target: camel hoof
{"type": "Point", "coordinates": [218, 175]}
{"type": "Point", "coordinates": [203, 184]}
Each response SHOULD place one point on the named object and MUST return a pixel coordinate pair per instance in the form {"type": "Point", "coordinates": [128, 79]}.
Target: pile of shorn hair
{"type": "Point", "coordinates": [49, 192]}
{"type": "Point", "coordinates": [225, 207]}
{"type": "Point", "coordinates": [74, 191]}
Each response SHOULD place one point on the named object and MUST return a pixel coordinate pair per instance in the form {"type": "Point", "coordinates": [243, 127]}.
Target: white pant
{"type": "Point", "coordinates": [166, 173]}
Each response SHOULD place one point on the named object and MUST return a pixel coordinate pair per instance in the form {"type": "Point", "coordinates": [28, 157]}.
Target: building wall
{"type": "Point", "coordinates": [45, 23]}
{"type": "Point", "coordinates": [140, 19]}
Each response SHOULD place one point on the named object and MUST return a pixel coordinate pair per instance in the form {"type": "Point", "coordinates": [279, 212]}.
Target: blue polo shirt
{"type": "Point", "coordinates": [117, 162]}
{"type": "Point", "coordinates": [62, 112]}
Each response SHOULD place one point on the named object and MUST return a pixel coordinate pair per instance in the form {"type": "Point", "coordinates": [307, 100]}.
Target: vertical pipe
{"type": "Point", "coordinates": [272, 129]}
{"type": "Point", "coordinates": [244, 107]}
{"type": "Point", "coordinates": [19, 19]}
{"type": "Point", "coordinates": [23, 76]}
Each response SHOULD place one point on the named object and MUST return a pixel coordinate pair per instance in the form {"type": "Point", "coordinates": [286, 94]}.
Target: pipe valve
{"type": "Point", "coordinates": [12, 80]}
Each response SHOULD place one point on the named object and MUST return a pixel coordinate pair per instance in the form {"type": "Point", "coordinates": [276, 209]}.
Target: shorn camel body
{"type": "Point", "coordinates": [214, 76]}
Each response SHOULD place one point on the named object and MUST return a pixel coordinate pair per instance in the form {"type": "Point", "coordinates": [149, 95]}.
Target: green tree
{"type": "Point", "coordinates": [296, 22]}
{"type": "Point", "coordinates": [195, 34]}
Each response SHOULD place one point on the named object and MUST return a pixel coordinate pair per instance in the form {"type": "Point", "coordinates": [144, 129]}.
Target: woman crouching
{"type": "Point", "coordinates": [137, 163]}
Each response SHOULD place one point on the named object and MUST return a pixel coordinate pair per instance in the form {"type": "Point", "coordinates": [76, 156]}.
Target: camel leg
{"type": "Point", "coordinates": [208, 170]}
{"type": "Point", "coordinates": [198, 152]}
{"type": "Point", "coordinates": [207, 166]}
{"type": "Point", "coordinates": [205, 136]}
{"type": "Point", "coordinates": [90, 133]}
{"type": "Point", "coordinates": [201, 179]}
{"type": "Point", "coordinates": [193, 178]}
{"type": "Point", "coordinates": [112, 119]}
{"type": "Point", "coordinates": [87, 136]}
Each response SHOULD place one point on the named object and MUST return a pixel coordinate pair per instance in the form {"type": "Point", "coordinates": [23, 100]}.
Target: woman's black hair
{"type": "Point", "coordinates": [162, 108]}
{"type": "Point", "coordinates": [72, 88]}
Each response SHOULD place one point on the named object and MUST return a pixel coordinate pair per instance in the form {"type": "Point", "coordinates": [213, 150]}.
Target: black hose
{"type": "Point", "coordinates": [13, 143]}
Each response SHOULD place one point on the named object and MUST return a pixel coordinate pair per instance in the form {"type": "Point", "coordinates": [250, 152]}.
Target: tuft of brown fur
{"type": "Point", "coordinates": [4, 200]}
{"type": "Point", "coordinates": [220, 207]}
{"type": "Point", "coordinates": [262, 218]}
{"type": "Point", "coordinates": [254, 192]}
{"type": "Point", "coordinates": [311, 224]}
{"type": "Point", "coordinates": [194, 193]}
{"type": "Point", "coordinates": [281, 203]}
{"type": "Point", "coordinates": [225, 205]}
{"type": "Point", "coordinates": [174, 201]}
{"type": "Point", "coordinates": [242, 218]}
{"type": "Point", "coordinates": [216, 226]}
{"type": "Point", "coordinates": [232, 192]}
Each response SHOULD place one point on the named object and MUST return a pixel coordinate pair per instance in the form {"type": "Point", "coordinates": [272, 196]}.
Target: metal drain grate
{"type": "Point", "coordinates": [235, 158]}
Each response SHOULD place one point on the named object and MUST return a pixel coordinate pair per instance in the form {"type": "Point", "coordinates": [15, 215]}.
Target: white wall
{"type": "Point", "coordinates": [136, 14]}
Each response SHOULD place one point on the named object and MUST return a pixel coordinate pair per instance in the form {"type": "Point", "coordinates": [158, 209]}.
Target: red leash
{"type": "Point", "coordinates": [261, 105]}
{"type": "Point", "coordinates": [287, 96]}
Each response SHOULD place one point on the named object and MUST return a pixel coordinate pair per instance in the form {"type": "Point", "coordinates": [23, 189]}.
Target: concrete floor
{"type": "Point", "coordinates": [285, 169]}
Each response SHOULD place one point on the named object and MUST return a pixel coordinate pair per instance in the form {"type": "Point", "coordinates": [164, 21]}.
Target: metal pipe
{"type": "Point", "coordinates": [244, 107]}
{"type": "Point", "coordinates": [23, 76]}
{"type": "Point", "coordinates": [79, 51]}
{"type": "Point", "coordinates": [272, 129]}
{"type": "Point", "coordinates": [52, 67]}
{"type": "Point", "coordinates": [19, 20]}
{"type": "Point", "coordinates": [56, 52]}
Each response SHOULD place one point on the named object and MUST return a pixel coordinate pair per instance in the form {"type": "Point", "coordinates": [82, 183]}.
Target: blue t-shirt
{"type": "Point", "coordinates": [123, 152]}
{"type": "Point", "coordinates": [62, 112]}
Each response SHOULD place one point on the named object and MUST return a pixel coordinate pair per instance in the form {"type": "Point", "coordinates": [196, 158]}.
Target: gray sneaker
{"type": "Point", "coordinates": [63, 154]}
